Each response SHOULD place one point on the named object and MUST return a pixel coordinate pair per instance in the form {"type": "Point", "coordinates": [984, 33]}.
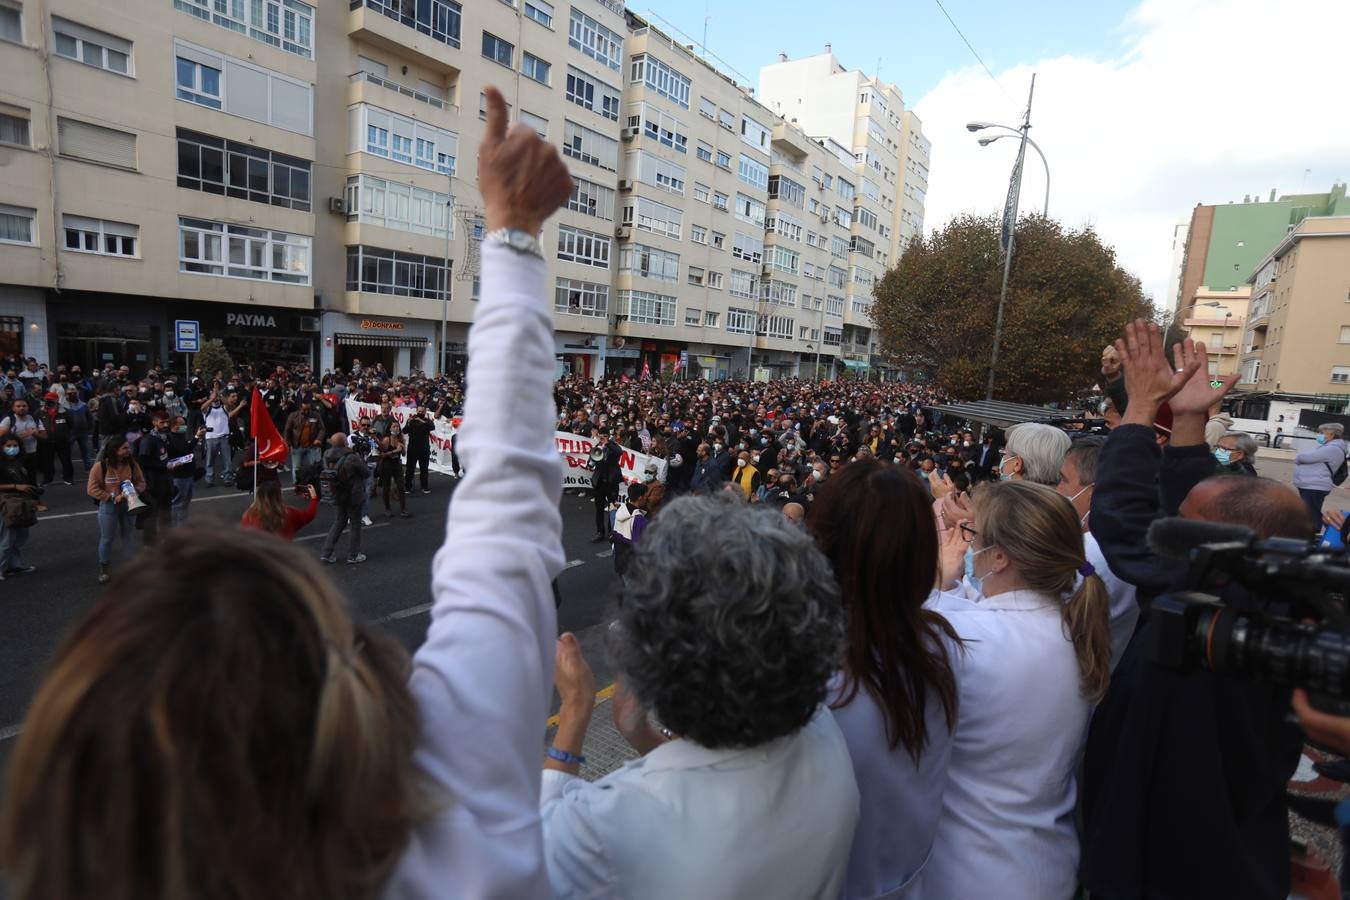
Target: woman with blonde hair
{"type": "Point", "coordinates": [1037, 658]}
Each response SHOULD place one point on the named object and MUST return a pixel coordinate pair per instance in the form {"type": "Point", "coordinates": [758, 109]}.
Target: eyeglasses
{"type": "Point", "coordinates": [968, 533]}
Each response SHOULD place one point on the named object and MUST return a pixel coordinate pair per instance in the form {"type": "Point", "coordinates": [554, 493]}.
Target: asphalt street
{"type": "Point", "coordinates": [391, 589]}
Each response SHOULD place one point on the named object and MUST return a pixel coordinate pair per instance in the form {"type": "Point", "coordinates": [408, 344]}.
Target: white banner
{"type": "Point", "coordinates": [574, 450]}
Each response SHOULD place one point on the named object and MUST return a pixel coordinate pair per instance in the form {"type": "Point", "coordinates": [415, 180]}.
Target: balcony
{"type": "Point", "coordinates": [402, 89]}
{"type": "Point", "coordinates": [791, 142]}
{"type": "Point", "coordinates": [426, 30]}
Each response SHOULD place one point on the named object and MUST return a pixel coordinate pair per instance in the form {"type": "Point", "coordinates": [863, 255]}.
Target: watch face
{"type": "Point", "coordinates": [520, 240]}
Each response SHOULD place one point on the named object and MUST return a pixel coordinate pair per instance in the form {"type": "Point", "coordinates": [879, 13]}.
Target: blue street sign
{"type": "Point", "coordinates": [186, 336]}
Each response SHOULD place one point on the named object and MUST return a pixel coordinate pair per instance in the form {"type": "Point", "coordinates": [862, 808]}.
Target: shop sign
{"type": "Point", "coordinates": [251, 320]}
{"type": "Point", "coordinates": [377, 325]}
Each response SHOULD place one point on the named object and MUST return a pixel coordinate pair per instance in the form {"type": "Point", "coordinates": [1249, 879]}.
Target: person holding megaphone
{"type": "Point", "coordinates": [115, 483]}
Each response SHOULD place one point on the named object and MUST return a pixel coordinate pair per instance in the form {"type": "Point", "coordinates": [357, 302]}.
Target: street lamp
{"type": "Point", "coordinates": [986, 141]}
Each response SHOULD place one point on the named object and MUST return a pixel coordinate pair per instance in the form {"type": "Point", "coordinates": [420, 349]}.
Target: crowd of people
{"type": "Point", "coordinates": [862, 653]}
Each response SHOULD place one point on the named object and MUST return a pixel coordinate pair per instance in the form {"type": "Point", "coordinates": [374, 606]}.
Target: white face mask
{"type": "Point", "coordinates": [740, 463]}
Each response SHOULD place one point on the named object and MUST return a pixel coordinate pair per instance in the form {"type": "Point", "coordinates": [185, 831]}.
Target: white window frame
{"type": "Point", "coordinates": [21, 212]}
{"type": "Point", "coordinates": [288, 24]}
{"type": "Point", "coordinates": [197, 92]}
{"type": "Point", "coordinates": [591, 199]}
{"type": "Point", "coordinates": [740, 321]}
{"type": "Point", "coordinates": [214, 59]}
{"type": "Point", "coordinates": [378, 201]}
{"type": "Point", "coordinates": [649, 262]}
{"type": "Point", "coordinates": [647, 307]}
{"type": "Point", "coordinates": [646, 214]}
{"type": "Point", "coordinates": [103, 232]}
{"type": "Point", "coordinates": [226, 238]}
{"type": "Point", "coordinates": [659, 125]}
{"type": "Point", "coordinates": [755, 134]}
{"type": "Point", "coordinates": [753, 172]}
{"type": "Point", "coordinates": [651, 169]}
{"type": "Point", "coordinates": [587, 248]}
{"type": "Point", "coordinates": [591, 93]}
{"type": "Point", "coordinates": [590, 146]}
{"type": "Point", "coordinates": [710, 318]}
{"type": "Point", "coordinates": [693, 316]}
{"type": "Point", "coordinates": [595, 40]}
{"type": "Point", "coordinates": [743, 284]}
{"type": "Point", "coordinates": [497, 44]}
{"type": "Point", "coordinates": [540, 11]}
{"type": "Point", "coordinates": [698, 234]}
{"type": "Point", "coordinates": [751, 210]}
{"type": "Point", "coordinates": [592, 297]}
{"type": "Point", "coordinates": [715, 283]}
{"type": "Point", "coordinates": [661, 78]}
{"type": "Point", "coordinates": [749, 247]}
{"type": "Point", "coordinates": [784, 260]}
{"type": "Point", "coordinates": [87, 41]}
{"type": "Point", "coordinates": [383, 133]}
{"type": "Point", "coordinates": [529, 67]}
{"type": "Point", "coordinates": [17, 13]}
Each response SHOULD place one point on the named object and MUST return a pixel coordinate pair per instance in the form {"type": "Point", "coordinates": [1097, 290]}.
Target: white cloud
{"type": "Point", "coordinates": [1209, 101]}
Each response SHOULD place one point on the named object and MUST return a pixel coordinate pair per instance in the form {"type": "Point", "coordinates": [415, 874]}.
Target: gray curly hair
{"type": "Point", "coordinates": [731, 626]}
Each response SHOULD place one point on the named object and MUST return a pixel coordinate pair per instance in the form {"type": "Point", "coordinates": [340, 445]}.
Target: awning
{"type": "Point", "coordinates": [350, 339]}
{"type": "Point", "coordinates": [856, 363]}
{"type": "Point", "coordinates": [1001, 414]}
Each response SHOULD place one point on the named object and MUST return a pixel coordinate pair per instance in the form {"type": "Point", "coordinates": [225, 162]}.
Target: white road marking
{"type": "Point", "coordinates": [573, 563]}
{"type": "Point", "coordinates": [10, 732]}
{"type": "Point", "coordinates": [364, 529]}
{"type": "Point", "coordinates": [94, 512]}
{"type": "Point", "coordinates": [403, 614]}
{"type": "Point", "coordinates": [604, 554]}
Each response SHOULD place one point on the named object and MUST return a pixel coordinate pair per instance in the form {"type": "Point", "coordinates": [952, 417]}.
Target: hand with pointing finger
{"type": "Point", "coordinates": [522, 178]}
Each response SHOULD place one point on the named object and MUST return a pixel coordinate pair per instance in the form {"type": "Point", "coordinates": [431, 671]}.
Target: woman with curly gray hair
{"type": "Point", "coordinates": [728, 635]}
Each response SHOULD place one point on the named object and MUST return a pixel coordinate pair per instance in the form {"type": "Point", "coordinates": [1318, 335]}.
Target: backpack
{"type": "Point", "coordinates": [329, 479]}
{"type": "Point", "coordinates": [1338, 476]}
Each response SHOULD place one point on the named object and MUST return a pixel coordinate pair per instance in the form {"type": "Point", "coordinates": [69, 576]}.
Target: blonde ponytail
{"type": "Point", "coordinates": [1086, 625]}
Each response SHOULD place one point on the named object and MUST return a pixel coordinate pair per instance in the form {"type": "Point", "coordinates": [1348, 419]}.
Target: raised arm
{"type": "Point", "coordinates": [483, 679]}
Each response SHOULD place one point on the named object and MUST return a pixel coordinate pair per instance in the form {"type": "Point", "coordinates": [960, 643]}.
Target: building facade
{"type": "Point", "coordinates": [300, 180]}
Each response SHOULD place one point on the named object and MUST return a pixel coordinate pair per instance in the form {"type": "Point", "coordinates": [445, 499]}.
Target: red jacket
{"type": "Point", "coordinates": [295, 519]}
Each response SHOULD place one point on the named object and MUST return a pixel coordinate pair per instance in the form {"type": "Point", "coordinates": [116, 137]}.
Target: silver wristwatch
{"type": "Point", "coordinates": [517, 240]}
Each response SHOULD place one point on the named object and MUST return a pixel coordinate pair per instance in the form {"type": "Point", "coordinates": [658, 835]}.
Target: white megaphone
{"type": "Point", "coordinates": [134, 501]}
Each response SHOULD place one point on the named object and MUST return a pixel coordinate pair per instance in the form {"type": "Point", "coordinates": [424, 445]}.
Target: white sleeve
{"type": "Point", "coordinates": [484, 677]}
{"type": "Point", "coordinates": [574, 853]}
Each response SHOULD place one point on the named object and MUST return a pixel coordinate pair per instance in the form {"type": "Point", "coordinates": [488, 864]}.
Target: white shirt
{"type": "Point", "coordinates": [900, 802]}
{"type": "Point", "coordinates": [688, 823]}
{"type": "Point", "coordinates": [484, 677]}
{"type": "Point", "coordinates": [217, 422]}
{"type": "Point", "coordinates": [1124, 605]}
{"type": "Point", "coordinates": [1007, 826]}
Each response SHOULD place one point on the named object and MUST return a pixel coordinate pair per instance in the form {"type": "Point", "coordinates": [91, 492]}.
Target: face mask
{"type": "Point", "coordinates": [649, 477]}
{"type": "Point", "coordinates": [717, 448]}
{"type": "Point", "coordinates": [394, 432]}
{"type": "Point", "coordinates": [1223, 456]}
{"type": "Point", "coordinates": [740, 463]}
{"type": "Point", "coordinates": [755, 458]}
{"type": "Point", "coordinates": [976, 581]}
{"type": "Point", "coordinates": [818, 475]}
{"type": "Point", "coordinates": [135, 407]}
{"type": "Point", "coordinates": [11, 451]}
{"type": "Point", "coordinates": [1321, 439]}
{"type": "Point", "coordinates": [168, 394]}
{"type": "Point", "coordinates": [181, 429]}
{"type": "Point", "coordinates": [1002, 475]}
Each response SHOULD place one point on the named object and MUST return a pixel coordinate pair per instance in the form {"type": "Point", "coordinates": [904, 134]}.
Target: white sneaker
{"type": "Point", "coordinates": [365, 520]}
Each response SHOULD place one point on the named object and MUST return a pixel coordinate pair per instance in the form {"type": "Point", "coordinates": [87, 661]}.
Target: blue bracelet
{"type": "Point", "coordinates": [563, 756]}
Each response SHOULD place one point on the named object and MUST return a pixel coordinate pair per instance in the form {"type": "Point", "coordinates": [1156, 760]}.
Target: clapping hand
{"type": "Point", "coordinates": [1150, 380]}
{"type": "Point", "coordinates": [1197, 397]}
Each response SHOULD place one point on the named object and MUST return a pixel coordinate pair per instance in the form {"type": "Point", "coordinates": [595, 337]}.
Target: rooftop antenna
{"type": "Point", "coordinates": [706, 17]}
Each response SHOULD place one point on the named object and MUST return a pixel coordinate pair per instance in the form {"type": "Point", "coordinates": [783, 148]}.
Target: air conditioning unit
{"type": "Point", "coordinates": [623, 232]}
{"type": "Point", "coordinates": [625, 184]}
{"type": "Point", "coordinates": [309, 323]}
{"type": "Point", "coordinates": [337, 205]}
{"type": "Point", "coordinates": [628, 134]}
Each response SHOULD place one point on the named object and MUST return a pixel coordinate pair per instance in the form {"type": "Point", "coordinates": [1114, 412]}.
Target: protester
{"type": "Point", "coordinates": [1314, 468]}
{"type": "Point", "coordinates": [730, 644]}
{"type": "Point", "coordinates": [268, 512]}
{"type": "Point", "coordinates": [417, 432]}
{"type": "Point", "coordinates": [29, 429]}
{"type": "Point", "coordinates": [605, 480]}
{"type": "Point", "coordinates": [389, 470]}
{"type": "Point", "coordinates": [14, 484]}
{"type": "Point", "coordinates": [630, 520]}
{"type": "Point", "coordinates": [1036, 657]}
{"type": "Point", "coordinates": [304, 435]}
{"type": "Point", "coordinates": [1185, 770]}
{"type": "Point", "coordinates": [108, 484]}
{"type": "Point", "coordinates": [349, 484]}
{"type": "Point", "coordinates": [1235, 452]}
{"type": "Point", "coordinates": [153, 455]}
{"type": "Point", "coordinates": [1033, 452]}
{"type": "Point", "coordinates": [895, 699]}
{"type": "Point", "coordinates": [182, 466]}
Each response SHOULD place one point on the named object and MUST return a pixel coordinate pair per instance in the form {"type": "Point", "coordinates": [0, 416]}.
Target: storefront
{"type": "Point", "coordinates": [580, 354]}
{"type": "Point", "coordinates": [708, 366]}
{"type": "Point", "coordinates": [92, 329]}
{"type": "Point", "coordinates": [402, 346]}
{"type": "Point", "coordinates": [23, 323]}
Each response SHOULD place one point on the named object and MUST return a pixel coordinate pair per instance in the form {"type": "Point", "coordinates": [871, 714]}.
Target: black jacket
{"type": "Point", "coordinates": [418, 434]}
{"type": "Point", "coordinates": [1185, 772]}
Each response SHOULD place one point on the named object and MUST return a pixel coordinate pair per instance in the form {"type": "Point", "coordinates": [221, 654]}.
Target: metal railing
{"type": "Point", "coordinates": [404, 90]}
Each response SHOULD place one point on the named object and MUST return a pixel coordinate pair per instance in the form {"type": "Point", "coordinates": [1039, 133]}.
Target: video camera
{"type": "Point", "coordinates": [1295, 631]}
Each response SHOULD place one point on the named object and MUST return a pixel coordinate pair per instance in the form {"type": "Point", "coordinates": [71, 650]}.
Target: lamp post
{"type": "Point", "coordinates": [986, 141]}
{"type": "Point", "coordinates": [445, 289]}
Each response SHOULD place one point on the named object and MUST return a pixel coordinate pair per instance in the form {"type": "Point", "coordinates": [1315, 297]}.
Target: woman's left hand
{"type": "Point", "coordinates": [572, 674]}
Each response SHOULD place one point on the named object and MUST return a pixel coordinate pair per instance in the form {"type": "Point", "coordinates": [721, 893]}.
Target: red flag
{"type": "Point", "coordinates": [646, 370]}
{"type": "Point", "coordinates": [271, 448]}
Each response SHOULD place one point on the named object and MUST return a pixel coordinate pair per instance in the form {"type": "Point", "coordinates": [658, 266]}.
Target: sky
{"type": "Point", "coordinates": [1143, 108]}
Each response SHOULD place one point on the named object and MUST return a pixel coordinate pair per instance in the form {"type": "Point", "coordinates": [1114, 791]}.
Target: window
{"type": "Point", "coordinates": [375, 270]}
{"type": "Point", "coordinates": [696, 275]}
{"type": "Point", "coordinates": [843, 217]}
{"type": "Point", "coordinates": [540, 11]}
{"type": "Point", "coordinates": [580, 142]}
{"type": "Point", "coordinates": [755, 134]}
{"type": "Point", "coordinates": [648, 215]}
{"type": "Point", "coordinates": [707, 109]}
{"type": "Point", "coordinates": [753, 172]}
{"type": "Point", "coordinates": [243, 89]}
{"type": "Point", "coordinates": [380, 132]}
{"type": "Point", "coordinates": [1340, 374]}
{"type": "Point", "coordinates": [440, 19]}
{"type": "Point", "coordinates": [726, 119]}
{"type": "Point", "coordinates": [705, 151]}
{"type": "Point", "coordinates": [98, 236]}
{"type": "Point", "coordinates": [198, 83]}
{"type": "Point", "coordinates": [533, 67]}
{"type": "Point", "coordinates": [833, 336]}
{"type": "Point", "coordinates": [1345, 334]}
{"type": "Point", "coordinates": [647, 308]}
{"type": "Point", "coordinates": [237, 251]}
{"type": "Point", "coordinates": [780, 292]}
{"type": "Point", "coordinates": [739, 321]}
{"type": "Point", "coordinates": [93, 48]}
{"type": "Point", "coordinates": [16, 225]}
{"type": "Point", "coordinates": [498, 50]}
{"type": "Point", "coordinates": [216, 166]}
{"type": "Point", "coordinates": [721, 200]}
{"type": "Point", "coordinates": [777, 327]}
{"type": "Point", "coordinates": [845, 189]}
{"type": "Point", "coordinates": [861, 306]}
{"type": "Point", "coordinates": [787, 190]}
{"type": "Point", "coordinates": [812, 239]}
{"type": "Point", "coordinates": [836, 277]}
{"type": "Point", "coordinates": [649, 262]}
{"type": "Point", "coordinates": [698, 234]}
{"type": "Point", "coordinates": [744, 284]}
{"type": "Point", "coordinates": [710, 319]}
{"type": "Point", "coordinates": [392, 204]}
{"type": "Point", "coordinates": [865, 277]}
{"type": "Point", "coordinates": [715, 282]}
{"type": "Point", "coordinates": [661, 78]}
{"type": "Point", "coordinates": [838, 247]}
{"type": "Point", "coordinates": [288, 24]}
{"type": "Point", "coordinates": [538, 123]}
{"type": "Point", "coordinates": [693, 317]}
{"type": "Point", "coordinates": [11, 23]}
{"type": "Point", "coordinates": [723, 160]}
{"type": "Point", "coordinates": [862, 245]}
{"type": "Point", "coordinates": [14, 129]}
{"type": "Point", "coordinates": [595, 40]}
{"type": "Point", "coordinates": [94, 143]}
{"type": "Point", "coordinates": [788, 227]}
{"type": "Point", "coordinates": [702, 193]}
{"type": "Point", "coordinates": [748, 209]}
{"type": "Point", "coordinates": [834, 306]}
{"type": "Point", "coordinates": [588, 93]}
{"type": "Point", "coordinates": [585, 247]}
{"type": "Point", "coordinates": [592, 199]}
{"type": "Point", "coordinates": [658, 125]}
{"type": "Point", "coordinates": [718, 241]}
{"type": "Point", "coordinates": [581, 298]}
{"type": "Point", "coordinates": [655, 171]}
{"type": "Point", "coordinates": [866, 217]}
{"type": "Point", "coordinates": [784, 260]}
{"type": "Point", "coordinates": [748, 247]}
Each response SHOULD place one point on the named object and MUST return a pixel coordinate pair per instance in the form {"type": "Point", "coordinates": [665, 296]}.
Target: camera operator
{"type": "Point", "coordinates": [1185, 772]}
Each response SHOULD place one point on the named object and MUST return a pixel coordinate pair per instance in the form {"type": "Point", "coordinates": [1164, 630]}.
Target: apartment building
{"type": "Point", "coordinates": [300, 180]}
{"type": "Point", "coordinates": [1218, 318]}
{"type": "Point", "coordinates": [1297, 341]}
